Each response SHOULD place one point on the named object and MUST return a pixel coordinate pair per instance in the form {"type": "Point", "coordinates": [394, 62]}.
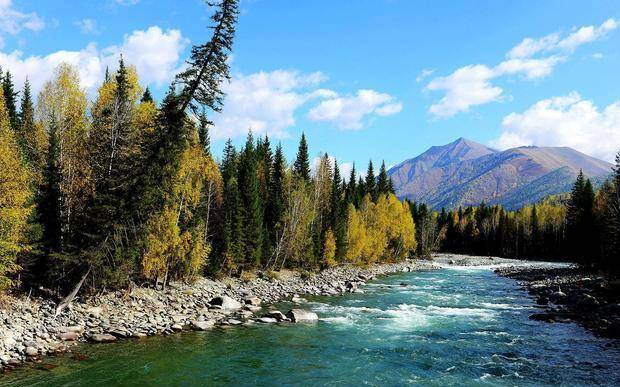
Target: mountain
{"type": "Point", "coordinates": [465, 173]}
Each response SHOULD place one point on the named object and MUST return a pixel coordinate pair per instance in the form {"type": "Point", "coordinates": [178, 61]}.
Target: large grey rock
{"type": "Point", "coordinates": [300, 315]}
{"type": "Point", "coordinates": [267, 320]}
{"type": "Point", "coordinates": [255, 301]}
{"type": "Point", "coordinates": [31, 351]}
{"type": "Point", "coordinates": [226, 303]}
{"type": "Point", "coordinates": [102, 338]}
{"type": "Point", "coordinates": [68, 336]}
{"type": "Point", "coordinates": [276, 314]}
{"type": "Point", "coordinates": [202, 325]}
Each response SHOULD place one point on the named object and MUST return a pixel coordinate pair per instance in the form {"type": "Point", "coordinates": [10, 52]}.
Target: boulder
{"type": "Point", "coordinates": [226, 303]}
{"type": "Point", "coordinates": [74, 328]}
{"type": "Point", "coordinates": [202, 325]}
{"type": "Point", "coordinates": [177, 327]}
{"type": "Point", "coordinates": [255, 301]}
{"type": "Point", "coordinates": [31, 351]}
{"type": "Point", "coordinates": [276, 314]}
{"type": "Point", "coordinates": [102, 338]}
{"type": "Point", "coordinates": [68, 336]}
{"type": "Point", "coordinates": [267, 320]}
{"type": "Point", "coordinates": [300, 315]}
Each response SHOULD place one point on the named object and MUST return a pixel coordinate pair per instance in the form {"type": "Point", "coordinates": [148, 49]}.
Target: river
{"type": "Point", "coordinates": [461, 326]}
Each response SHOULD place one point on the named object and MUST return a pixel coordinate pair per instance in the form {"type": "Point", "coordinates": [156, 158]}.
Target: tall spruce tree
{"type": "Point", "coordinates": [275, 209]}
{"type": "Point", "coordinates": [351, 196]}
{"type": "Point", "coordinates": [383, 181]}
{"type": "Point", "coordinates": [50, 205]}
{"type": "Point", "coordinates": [301, 167]}
{"type": "Point", "coordinates": [203, 132]}
{"type": "Point", "coordinates": [370, 182]}
{"type": "Point", "coordinates": [250, 198]}
{"type": "Point", "coordinates": [28, 133]}
{"type": "Point", "coordinates": [338, 214]}
{"type": "Point", "coordinates": [146, 96]}
{"type": "Point", "coordinates": [10, 99]}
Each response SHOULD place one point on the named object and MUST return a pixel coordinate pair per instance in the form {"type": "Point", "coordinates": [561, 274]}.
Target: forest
{"type": "Point", "coordinates": [582, 226]}
{"type": "Point", "coordinates": [125, 190]}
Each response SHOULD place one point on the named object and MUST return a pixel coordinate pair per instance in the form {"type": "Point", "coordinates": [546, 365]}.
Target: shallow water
{"type": "Point", "coordinates": [455, 326]}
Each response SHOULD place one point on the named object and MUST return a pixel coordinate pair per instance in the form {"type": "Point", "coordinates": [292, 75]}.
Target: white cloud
{"type": "Point", "coordinates": [565, 121]}
{"type": "Point", "coordinates": [349, 112]}
{"type": "Point", "coordinates": [265, 102]}
{"type": "Point", "coordinates": [425, 73]}
{"type": "Point", "coordinates": [13, 21]}
{"type": "Point", "coordinates": [597, 55]}
{"type": "Point", "coordinates": [472, 85]}
{"type": "Point", "coordinates": [154, 52]}
{"type": "Point", "coordinates": [87, 26]}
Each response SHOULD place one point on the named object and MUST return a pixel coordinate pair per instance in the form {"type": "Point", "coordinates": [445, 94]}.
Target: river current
{"type": "Point", "coordinates": [461, 326]}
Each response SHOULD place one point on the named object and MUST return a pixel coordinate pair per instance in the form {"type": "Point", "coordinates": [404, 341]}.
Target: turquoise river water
{"type": "Point", "coordinates": [456, 326]}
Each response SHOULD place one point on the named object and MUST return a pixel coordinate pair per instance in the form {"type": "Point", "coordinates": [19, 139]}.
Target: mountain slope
{"type": "Point", "coordinates": [465, 173]}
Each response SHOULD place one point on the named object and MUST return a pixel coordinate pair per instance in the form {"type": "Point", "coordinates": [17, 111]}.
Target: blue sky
{"type": "Point", "coordinates": [380, 79]}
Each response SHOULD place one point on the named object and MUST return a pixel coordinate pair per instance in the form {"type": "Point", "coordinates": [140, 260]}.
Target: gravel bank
{"type": "Point", "coordinates": [572, 294]}
{"type": "Point", "coordinates": [29, 330]}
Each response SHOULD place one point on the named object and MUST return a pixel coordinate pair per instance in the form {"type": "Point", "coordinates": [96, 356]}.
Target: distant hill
{"type": "Point", "coordinates": [465, 173]}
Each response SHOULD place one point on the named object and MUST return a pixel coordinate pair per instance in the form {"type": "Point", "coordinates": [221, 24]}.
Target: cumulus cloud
{"type": "Point", "coordinates": [349, 112]}
{"type": "Point", "coordinates": [13, 21]}
{"type": "Point", "coordinates": [472, 85]}
{"type": "Point", "coordinates": [425, 73]}
{"type": "Point", "coordinates": [267, 103]}
{"type": "Point", "coordinates": [565, 121]}
{"type": "Point", "coordinates": [87, 26]}
{"type": "Point", "coordinates": [154, 52]}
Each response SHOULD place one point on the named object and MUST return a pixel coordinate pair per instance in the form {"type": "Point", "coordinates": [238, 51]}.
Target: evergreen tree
{"type": "Point", "coordinates": [275, 210]}
{"type": "Point", "coordinates": [146, 97]}
{"type": "Point", "coordinates": [250, 199]}
{"type": "Point", "coordinates": [337, 224]}
{"type": "Point", "coordinates": [301, 167]}
{"type": "Point", "coordinates": [351, 193]}
{"type": "Point", "coordinates": [371, 182]}
{"type": "Point", "coordinates": [203, 132]}
{"type": "Point", "coordinates": [10, 100]}
{"type": "Point", "coordinates": [50, 205]}
{"type": "Point", "coordinates": [31, 138]}
{"type": "Point", "coordinates": [384, 182]}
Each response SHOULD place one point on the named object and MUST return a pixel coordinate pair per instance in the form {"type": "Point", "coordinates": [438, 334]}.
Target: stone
{"type": "Point", "coordinates": [94, 311]}
{"type": "Point", "coordinates": [226, 303]}
{"type": "Point", "coordinates": [277, 315]}
{"type": "Point", "coordinates": [300, 315]}
{"type": "Point", "coordinates": [74, 328]}
{"type": "Point", "coordinates": [255, 301]}
{"type": "Point", "coordinates": [177, 327]}
{"type": "Point", "coordinates": [31, 351]}
{"type": "Point", "coordinates": [267, 320]}
{"type": "Point", "coordinates": [69, 336]}
{"type": "Point", "coordinates": [102, 338]}
{"type": "Point", "coordinates": [202, 325]}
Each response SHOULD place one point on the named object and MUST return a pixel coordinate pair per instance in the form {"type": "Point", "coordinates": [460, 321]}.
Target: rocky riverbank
{"type": "Point", "coordinates": [572, 294]}
{"type": "Point", "coordinates": [29, 330]}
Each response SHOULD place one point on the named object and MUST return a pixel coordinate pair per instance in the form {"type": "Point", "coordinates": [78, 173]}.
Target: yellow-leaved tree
{"type": "Point", "coordinates": [14, 195]}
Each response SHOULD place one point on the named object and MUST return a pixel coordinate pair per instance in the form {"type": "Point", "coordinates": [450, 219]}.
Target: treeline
{"type": "Point", "coordinates": [583, 226]}
{"type": "Point", "coordinates": [123, 189]}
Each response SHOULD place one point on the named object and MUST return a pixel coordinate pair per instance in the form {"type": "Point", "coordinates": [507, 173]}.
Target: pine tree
{"type": "Point", "coordinates": [275, 209]}
{"type": "Point", "coordinates": [50, 206]}
{"type": "Point", "coordinates": [383, 182]}
{"type": "Point", "coordinates": [301, 167]}
{"type": "Point", "coordinates": [370, 182]}
{"type": "Point", "coordinates": [10, 100]}
{"type": "Point", "coordinates": [203, 132]}
{"type": "Point", "coordinates": [208, 64]}
{"type": "Point", "coordinates": [30, 136]}
{"type": "Point", "coordinates": [250, 199]}
{"type": "Point", "coordinates": [338, 215]}
{"type": "Point", "coordinates": [351, 193]}
{"type": "Point", "coordinates": [146, 97]}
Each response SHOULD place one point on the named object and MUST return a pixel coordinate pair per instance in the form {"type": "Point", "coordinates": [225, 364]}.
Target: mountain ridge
{"type": "Point", "coordinates": [465, 172]}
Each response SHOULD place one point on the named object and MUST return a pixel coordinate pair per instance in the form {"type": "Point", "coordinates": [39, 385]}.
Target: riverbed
{"type": "Point", "coordinates": [453, 326]}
